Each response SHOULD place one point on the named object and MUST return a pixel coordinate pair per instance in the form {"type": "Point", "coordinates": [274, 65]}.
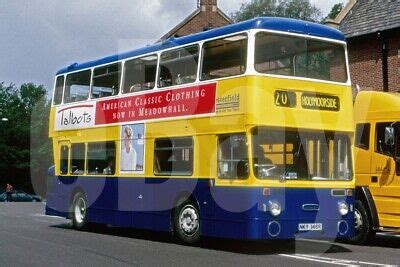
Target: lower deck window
{"type": "Point", "coordinates": [101, 158]}
{"type": "Point", "coordinates": [233, 157]}
{"type": "Point", "coordinates": [77, 159]}
{"type": "Point", "coordinates": [173, 156]}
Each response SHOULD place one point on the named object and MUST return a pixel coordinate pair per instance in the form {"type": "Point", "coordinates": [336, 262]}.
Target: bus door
{"type": "Point", "coordinates": [385, 175]}
{"type": "Point", "coordinates": [232, 177]}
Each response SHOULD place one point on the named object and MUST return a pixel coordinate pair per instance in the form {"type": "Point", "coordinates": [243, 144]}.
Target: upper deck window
{"type": "Point", "coordinates": [140, 74]}
{"type": "Point", "coordinates": [77, 86]}
{"type": "Point", "coordinates": [300, 57]}
{"type": "Point", "coordinates": [224, 57]}
{"type": "Point", "coordinates": [179, 66]}
{"type": "Point", "coordinates": [58, 90]}
{"type": "Point", "coordinates": [106, 81]}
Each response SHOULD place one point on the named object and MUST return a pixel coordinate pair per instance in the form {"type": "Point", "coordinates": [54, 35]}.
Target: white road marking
{"type": "Point", "coordinates": [46, 216]}
{"type": "Point", "coordinates": [311, 259]}
{"type": "Point", "coordinates": [3, 213]}
{"type": "Point", "coordinates": [332, 261]}
{"type": "Point", "coordinates": [389, 234]}
{"type": "Point", "coordinates": [45, 221]}
{"type": "Point", "coordinates": [314, 240]}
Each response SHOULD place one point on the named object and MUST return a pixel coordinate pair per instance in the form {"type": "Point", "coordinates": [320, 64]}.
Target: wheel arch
{"type": "Point", "coordinates": [364, 195]}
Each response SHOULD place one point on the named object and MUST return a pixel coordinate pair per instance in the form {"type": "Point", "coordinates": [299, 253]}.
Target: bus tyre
{"type": "Point", "coordinates": [79, 211]}
{"type": "Point", "coordinates": [187, 223]}
{"type": "Point", "coordinates": [363, 230]}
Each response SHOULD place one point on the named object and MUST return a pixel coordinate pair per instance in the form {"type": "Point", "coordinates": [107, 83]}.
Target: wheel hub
{"type": "Point", "coordinates": [358, 220]}
{"type": "Point", "coordinates": [189, 220]}
{"type": "Point", "coordinates": [80, 210]}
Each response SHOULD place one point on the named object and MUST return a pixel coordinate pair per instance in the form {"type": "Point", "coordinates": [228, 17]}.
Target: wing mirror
{"type": "Point", "coordinates": [389, 136]}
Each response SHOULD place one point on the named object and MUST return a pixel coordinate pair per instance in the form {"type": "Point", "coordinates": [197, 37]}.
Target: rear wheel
{"type": "Point", "coordinates": [363, 227]}
{"type": "Point", "coordinates": [79, 211]}
{"type": "Point", "coordinates": [187, 223]}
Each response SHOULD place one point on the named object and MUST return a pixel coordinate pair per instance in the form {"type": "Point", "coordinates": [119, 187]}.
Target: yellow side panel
{"type": "Point", "coordinates": [262, 109]}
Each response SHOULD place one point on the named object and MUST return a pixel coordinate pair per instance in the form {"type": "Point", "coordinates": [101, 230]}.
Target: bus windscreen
{"type": "Point", "coordinates": [300, 57]}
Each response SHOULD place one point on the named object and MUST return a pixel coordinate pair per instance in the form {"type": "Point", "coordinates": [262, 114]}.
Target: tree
{"type": "Point", "coordinates": [297, 9]}
{"type": "Point", "coordinates": [27, 111]}
{"type": "Point", "coordinates": [336, 9]}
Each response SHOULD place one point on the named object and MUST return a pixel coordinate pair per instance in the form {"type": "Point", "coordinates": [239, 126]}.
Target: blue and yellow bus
{"type": "Point", "coordinates": [241, 132]}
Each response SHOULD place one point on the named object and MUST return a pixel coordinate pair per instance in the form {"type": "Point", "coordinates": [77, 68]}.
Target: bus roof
{"type": "Point", "coordinates": [376, 105]}
{"type": "Point", "coordinates": [266, 23]}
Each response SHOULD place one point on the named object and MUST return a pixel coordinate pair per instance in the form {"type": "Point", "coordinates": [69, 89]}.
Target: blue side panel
{"type": "Point", "coordinates": [230, 212]}
{"type": "Point", "coordinates": [277, 24]}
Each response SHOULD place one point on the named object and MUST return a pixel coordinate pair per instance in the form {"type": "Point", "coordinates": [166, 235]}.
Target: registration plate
{"type": "Point", "coordinates": [310, 227]}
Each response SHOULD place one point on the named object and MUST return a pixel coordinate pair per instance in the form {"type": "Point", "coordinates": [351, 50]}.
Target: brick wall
{"type": "Point", "coordinates": [365, 58]}
{"type": "Point", "coordinates": [394, 61]}
{"type": "Point", "coordinates": [205, 19]}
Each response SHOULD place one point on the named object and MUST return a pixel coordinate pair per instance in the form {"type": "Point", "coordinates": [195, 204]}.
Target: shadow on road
{"type": "Point", "coordinates": [227, 245]}
{"type": "Point", "coordinates": [387, 241]}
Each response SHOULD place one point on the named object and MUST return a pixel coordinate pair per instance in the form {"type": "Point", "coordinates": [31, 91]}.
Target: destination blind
{"type": "Point", "coordinates": [320, 102]}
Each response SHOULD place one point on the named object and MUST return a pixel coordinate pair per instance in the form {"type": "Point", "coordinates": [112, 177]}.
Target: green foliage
{"type": "Point", "coordinates": [297, 9]}
{"type": "Point", "coordinates": [24, 144]}
{"type": "Point", "coordinates": [335, 11]}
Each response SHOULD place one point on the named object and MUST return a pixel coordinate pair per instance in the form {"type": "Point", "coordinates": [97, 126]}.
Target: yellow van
{"type": "Point", "coordinates": [377, 164]}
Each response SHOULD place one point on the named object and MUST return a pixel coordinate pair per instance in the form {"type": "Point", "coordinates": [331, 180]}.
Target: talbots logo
{"type": "Point", "coordinates": [75, 117]}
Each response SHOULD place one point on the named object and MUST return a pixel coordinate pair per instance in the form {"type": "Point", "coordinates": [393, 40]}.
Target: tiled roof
{"type": "Point", "coordinates": [368, 16]}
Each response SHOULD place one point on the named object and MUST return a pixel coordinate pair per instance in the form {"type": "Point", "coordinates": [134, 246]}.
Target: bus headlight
{"type": "Point", "coordinates": [275, 208]}
{"type": "Point", "coordinates": [343, 208]}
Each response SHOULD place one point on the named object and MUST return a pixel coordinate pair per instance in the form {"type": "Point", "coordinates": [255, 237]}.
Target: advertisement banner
{"type": "Point", "coordinates": [195, 100]}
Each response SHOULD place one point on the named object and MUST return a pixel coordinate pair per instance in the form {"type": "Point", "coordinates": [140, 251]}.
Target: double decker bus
{"type": "Point", "coordinates": [241, 132]}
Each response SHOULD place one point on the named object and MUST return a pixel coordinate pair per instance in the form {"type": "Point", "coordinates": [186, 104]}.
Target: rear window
{"type": "Point", "coordinates": [64, 154]}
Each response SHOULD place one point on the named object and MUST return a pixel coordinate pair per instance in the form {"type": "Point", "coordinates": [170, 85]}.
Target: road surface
{"type": "Point", "coordinates": [27, 237]}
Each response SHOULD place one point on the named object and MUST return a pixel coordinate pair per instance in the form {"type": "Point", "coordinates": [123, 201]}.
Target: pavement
{"type": "Point", "coordinates": [28, 237]}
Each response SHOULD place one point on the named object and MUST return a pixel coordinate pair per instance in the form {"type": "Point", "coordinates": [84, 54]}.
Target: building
{"type": "Point", "coordinates": [205, 17]}
{"type": "Point", "coordinates": [372, 30]}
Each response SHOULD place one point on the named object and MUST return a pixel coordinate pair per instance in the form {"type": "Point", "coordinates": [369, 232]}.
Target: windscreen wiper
{"type": "Point", "coordinates": [296, 157]}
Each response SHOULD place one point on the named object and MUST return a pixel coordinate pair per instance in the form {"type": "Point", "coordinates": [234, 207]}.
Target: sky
{"type": "Point", "coordinates": [39, 37]}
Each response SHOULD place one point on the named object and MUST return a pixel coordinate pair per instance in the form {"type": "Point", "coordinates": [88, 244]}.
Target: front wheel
{"type": "Point", "coordinates": [363, 228]}
{"type": "Point", "coordinates": [187, 223]}
{"type": "Point", "coordinates": [79, 211]}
